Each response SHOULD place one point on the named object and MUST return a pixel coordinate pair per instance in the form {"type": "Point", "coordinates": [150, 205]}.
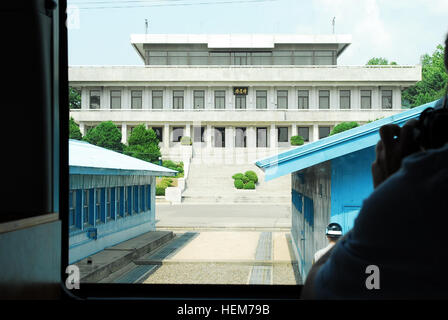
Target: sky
{"type": "Point", "coordinates": [398, 30]}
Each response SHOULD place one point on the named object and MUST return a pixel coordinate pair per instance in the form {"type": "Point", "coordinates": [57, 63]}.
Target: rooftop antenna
{"type": "Point", "coordinates": [333, 23]}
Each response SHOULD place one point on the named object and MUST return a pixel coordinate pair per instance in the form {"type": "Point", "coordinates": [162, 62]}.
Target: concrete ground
{"type": "Point", "coordinates": [241, 216]}
{"type": "Point", "coordinates": [227, 257]}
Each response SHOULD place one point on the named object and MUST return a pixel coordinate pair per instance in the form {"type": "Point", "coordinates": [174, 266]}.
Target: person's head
{"type": "Point", "coordinates": [333, 232]}
{"type": "Point", "coordinates": [445, 60]}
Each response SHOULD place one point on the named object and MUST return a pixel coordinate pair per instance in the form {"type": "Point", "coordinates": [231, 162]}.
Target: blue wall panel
{"type": "Point", "coordinates": [351, 183]}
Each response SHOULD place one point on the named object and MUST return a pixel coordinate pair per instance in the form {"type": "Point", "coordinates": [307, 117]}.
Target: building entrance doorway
{"type": "Point", "coordinates": [220, 138]}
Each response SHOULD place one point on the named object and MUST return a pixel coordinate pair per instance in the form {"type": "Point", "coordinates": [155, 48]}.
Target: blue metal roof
{"type": "Point", "coordinates": [86, 158]}
{"type": "Point", "coordinates": [333, 146]}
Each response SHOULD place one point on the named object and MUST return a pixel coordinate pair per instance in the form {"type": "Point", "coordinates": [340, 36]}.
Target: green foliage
{"type": "Point", "coordinates": [343, 126]}
{"type": "Point", "coordinates": [252, 176]}
{"type": "Point", "coordinates": [143, 144]}
{"type": "Point", "coordinates": [74, 132]}
{"type": "Point", "coordinates": [238, 176]}
{"type": "Point", "coordinates": [245, 179]}
{"type": "Point", "coordinates": [105, 135]}
{"type": "Point", "coordinates": [249, 185]}
{"type": "Point", "coordinates": [185, 141]}
{"type": "Point", "coordinates": [239, 184]}
{"type": "Point", "coordinates": [432, 85]}
{"type": "Point", "coordinates": [296, 140]}
{"type": "Point", "coordinates": [380, 61]}
{"type": "Point", "coordinates": [179, 166]}
{"type": "Point", "coordinates": [74, 98]}
{"type": "Point", "coordinates": [162, 185]}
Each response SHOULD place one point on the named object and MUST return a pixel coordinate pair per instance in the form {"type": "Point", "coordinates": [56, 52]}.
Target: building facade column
{"type": "Point", "coordinates": [273, 136]}
{"type": "Point", "coordinates": [166, 137]}
{"type": "Point", "coordinates": [315, 132]}
{"type": "Point", "coordinates": [124, 133]}
{"type": "Point", "coordinates": [293, 129]}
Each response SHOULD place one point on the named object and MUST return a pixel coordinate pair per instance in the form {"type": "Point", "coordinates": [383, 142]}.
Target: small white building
{"type": "Point", "coordinates": [240, 94]}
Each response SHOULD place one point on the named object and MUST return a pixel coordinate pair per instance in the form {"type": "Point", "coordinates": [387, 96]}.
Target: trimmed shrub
{"type": "Point", "coordinates": [160, 191]}
{"type": "Point", "coordinates": [252, 176]}
{"type": "Point", "coordinates": [238, 176]}
{"type": "Point", "coordinates": [296, 140]}
{"type": "Point", "coordinates": [179, 167]}
{"type": "Point", "coordinates": [185, 141]}
{"type": "Point", "coordinates": [245, 179]}
{"type": "Point", "coordinates": [238, 183]}
{"type": "Point", "coordinates": [343, 126]}
{"type": "Point", "coordinates": [249, 185]}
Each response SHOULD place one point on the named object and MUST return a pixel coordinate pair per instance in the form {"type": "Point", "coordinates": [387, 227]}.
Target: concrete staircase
{"type": "Point", "coordinates": [213, 183]}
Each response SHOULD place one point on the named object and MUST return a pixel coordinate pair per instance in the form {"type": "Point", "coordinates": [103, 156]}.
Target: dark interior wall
{"type": "Point", "coordinates": [30, 227]}
{"type": "Point", "coordinates": [311, 208]}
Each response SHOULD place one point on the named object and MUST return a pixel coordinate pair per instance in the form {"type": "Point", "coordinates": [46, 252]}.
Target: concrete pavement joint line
{"type": "Point", "coordinates": [263, 274]}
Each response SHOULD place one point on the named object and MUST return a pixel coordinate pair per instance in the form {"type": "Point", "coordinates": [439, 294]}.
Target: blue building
{"type": "Point", "coordinates": [331, 178]}
{"type": "Point", "coordinates": [112, 198]}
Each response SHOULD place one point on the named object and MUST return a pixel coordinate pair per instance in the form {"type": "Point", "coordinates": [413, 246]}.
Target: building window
{"type": "Point", "coordinates": [118, 203]}
{"type": "Point", "coordinates": [344, 99]}
{"type": "Point", "coordinates": [198, 58]}
{"type": "Point", "coordinates": [115, 99]}
{"type": "Point", "coordinates": [282, 134]}
{"type": "Point", "coordinates": [304, 132]}
{"type": "Point", "coordinates": [324, 99]}
{"type": "Point", "coordinates": [157, 99]}
{"type": "Point", "coordinates": [239, 58]}
{"type": "Point", "coordinates": [108, 204]}
{"type": "Point", "coordinates": [72, 208]}
{"type": "Point", "coordinates": [159, 133]}
{"type": "Point", "coordinates": [98, 206]}
{"type": "Point", "coordinates": [261, 58]}
{"type": "Point", "coordinates": [386, 99]}
{"type": "Point", "coordinates": [178, 133]}
{"type": "Point", "coordinates": [220, 99]}
{"type": "Point", "coordinates": [94, 101]}
{"type": "Point", "coordinates": [324, 132]}
{"type": "Point", "coordinates": [177, 58]}
{"type": "Point", "coordinates": [366, 99]}
{"type": "Point", "coordinates": [282, 99]}
{"type": "Point", "coordinates": [220, 137]}
{"type": "Point", "coordinates": [282, 57]}
{"type": "Point", "coordinates": [323, 57]}
{"type": "Point", "coordinates": [135, 207]}
{"type": "Point", "coordinates": [158, 57]}
{"type": "Point", "coordinates": [130, 200]}
{"type": "Point", "coordinates": [85, 206]}
{"type": "Point", "coordinates": [178, 99]}
{"type": "Point", "coordinates": [240, 137]}
{"type": "Point", "coordinates": [219, 58]}
{"type": "Point", "coordinates": [136, 99]}
{"type": "Point", "coordinates": [303, 57]}
{"type": "Point", "coordinates": [125, 201]}
{"type": "Point", "coordinates": [198, 134]}
{"type": "Point", "coordinates": [198, 99]}
{"type": "Point", "coordinates": [261, 99]}
{"type": "Point", "coordinates": [240, 102]}
{"type": "Point", "coordinates": [303, 99]}
{"type": "Point", "coordinates": [262, 137]}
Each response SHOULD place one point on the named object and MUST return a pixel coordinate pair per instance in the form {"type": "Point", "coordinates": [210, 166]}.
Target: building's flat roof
{"type": "Point", "coordinates": [85, 158]}
{"type": "Point", "coordinates": [239, 41]}
{"type": "Point", "coordinates": [334, 146]}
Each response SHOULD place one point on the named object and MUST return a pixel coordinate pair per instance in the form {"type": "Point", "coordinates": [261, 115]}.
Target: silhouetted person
{"type": "Point", "coordinates": [397, 246]}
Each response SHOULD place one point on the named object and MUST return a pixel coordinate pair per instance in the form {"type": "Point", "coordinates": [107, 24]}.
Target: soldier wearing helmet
{"type": "Point", "coordinates": [333, 233]}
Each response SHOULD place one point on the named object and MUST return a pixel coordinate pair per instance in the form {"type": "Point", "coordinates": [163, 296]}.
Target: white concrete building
{"type": "Point", "coordinates": [239, 97]}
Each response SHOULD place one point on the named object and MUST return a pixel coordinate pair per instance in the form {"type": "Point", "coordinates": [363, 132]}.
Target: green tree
{"type": "Point", "coordinates": [74, 132]}
{"type": "Point", "coordinates": [74, 98]}
{"type": "Point", "coordinates": [143, 144]}
{"type": "Point", "coordinates": [380, 61]}
{"type": "Point", "coordinates": [343, 126]}
{"type": "Point", "coordinates": [432, 85]}
{"type": "Point", "coordinates": [105, 135]}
